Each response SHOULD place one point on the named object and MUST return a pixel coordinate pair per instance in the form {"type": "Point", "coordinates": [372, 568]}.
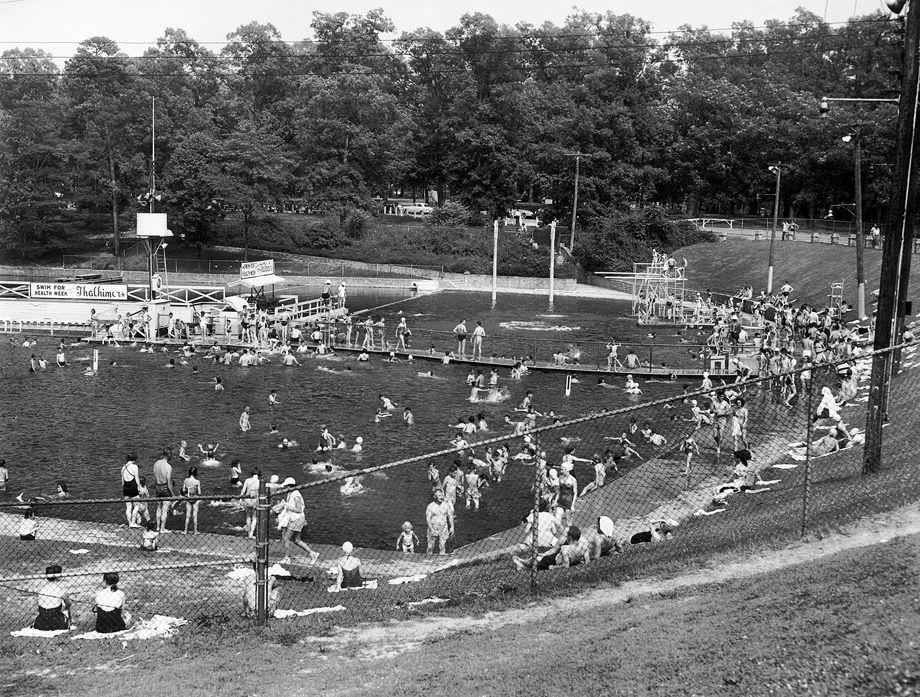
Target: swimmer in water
{"type": "Point", "coordinates": [273, 398]}
{"type": "Point", "coordinates": [358, 446]}
{"type": "Point", "coordinates": [425, 374]}
{"type": "Point", "coordinates": [61, 359]}
{"type": "Point", "coordinates": [272, 429]}
{"type": "Point", "coordinates": [363, 356]}
{"type": "Point", "coordinates": [386, 403]}
{"type": "Point", "coordinates": [285, 443]}
{"type": "Point", "coordinates": [342, 444]}
{"type": "Point", "coordinates": [632, 387]}
{"type": "Point", "coordinates": [183, 446]}
{"type": "Point", "coordinates": [245, 425]}
{"type": "Point", "coordinates": [171, 364]}
{"type": "Point", "coordinates": [408, 417]}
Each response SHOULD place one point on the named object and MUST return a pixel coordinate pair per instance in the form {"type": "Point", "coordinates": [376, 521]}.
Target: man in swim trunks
{"type": "Point", "coordinates": [163, 488]}
{"type": "Point", "coordinates": [460, 332]}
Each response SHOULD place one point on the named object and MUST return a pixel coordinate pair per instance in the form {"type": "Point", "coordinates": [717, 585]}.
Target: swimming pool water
{"type": "Point", "coordinates": [61, 425]}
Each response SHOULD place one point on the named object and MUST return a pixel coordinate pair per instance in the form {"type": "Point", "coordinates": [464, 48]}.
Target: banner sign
{"type": "Point", "coordinates": [253, 269]}
{"type": "Point", "coordinates": [79, 291]}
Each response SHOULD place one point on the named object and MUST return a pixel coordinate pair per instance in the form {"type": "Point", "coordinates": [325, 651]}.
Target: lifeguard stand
{"type": "Point", "coordinates": [658, 291]}
{"type": "Point", "coordinates": [835, 298]}
{"type": "Point", "coordinates": [151, 227]}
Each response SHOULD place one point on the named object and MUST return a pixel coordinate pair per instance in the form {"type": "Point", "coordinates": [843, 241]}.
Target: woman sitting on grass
{"type": "Point", "coordinates": [349, 570]}
{"type": "Point", "coordinates": [53, 603]}
{"type": "Point", "coordinates": [111, 616]}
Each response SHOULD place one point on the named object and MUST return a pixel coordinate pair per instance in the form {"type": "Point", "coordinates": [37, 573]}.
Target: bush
{"type": "Point", "coordinates": [618, 240]}
{"type": "Point", "coordinates": [455, 214]}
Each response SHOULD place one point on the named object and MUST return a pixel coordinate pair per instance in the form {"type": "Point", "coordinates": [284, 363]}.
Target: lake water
{"type": "Point", "coordinates": [60, 425]}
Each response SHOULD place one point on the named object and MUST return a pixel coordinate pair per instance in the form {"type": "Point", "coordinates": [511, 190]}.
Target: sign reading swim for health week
{"type": "Point", "coordinates": [78, 291]}
{"type": "Point", "coordinates": [254, 269]}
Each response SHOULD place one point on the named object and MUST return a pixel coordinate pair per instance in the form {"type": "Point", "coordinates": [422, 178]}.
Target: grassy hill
{"type": "Point", "coordinates": [810, 268]}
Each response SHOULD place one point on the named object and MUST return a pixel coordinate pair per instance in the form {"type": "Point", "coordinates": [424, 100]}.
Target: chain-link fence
{"type": "Point", "coordinates": [331, 268]}
{"type": "Point", "coordinates": [549, 506]}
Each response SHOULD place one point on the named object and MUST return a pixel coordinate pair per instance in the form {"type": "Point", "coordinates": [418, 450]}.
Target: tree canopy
{"type": "Point", "coordinates": [484, 114]}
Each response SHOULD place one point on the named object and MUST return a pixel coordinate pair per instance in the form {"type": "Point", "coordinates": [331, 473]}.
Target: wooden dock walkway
{"type": "Point", "coordinates": [648, 373]}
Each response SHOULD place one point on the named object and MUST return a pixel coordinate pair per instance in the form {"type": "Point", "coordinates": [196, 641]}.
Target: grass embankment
{"type": "Point", "coordinates": [810, 268]}
{"type": "Point", "coordinates": [843, 624]}
{"type": "Point", "coordinates": [391, 240]}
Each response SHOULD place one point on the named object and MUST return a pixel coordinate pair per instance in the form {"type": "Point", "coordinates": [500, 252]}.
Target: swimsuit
{"type": "Point", "coordinates": [128, 486]}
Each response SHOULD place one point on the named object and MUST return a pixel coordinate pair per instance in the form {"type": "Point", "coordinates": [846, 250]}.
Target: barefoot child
{"type": "Point", "coordinates": [407, 539]}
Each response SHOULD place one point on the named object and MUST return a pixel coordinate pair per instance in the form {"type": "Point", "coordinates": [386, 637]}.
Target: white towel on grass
{"type": "Point", "coordinates": [370, 584]}
{"type": "Point", "coordinates": [283, 614]}
{"type": "Point", "coordinates": [43, 633]}
{"type": "Point", "coordinates": [158, 625]}
{"type": "Point", "coordinates": [429, 601]}
{"type": "Point", "coordinates": [406, 579]}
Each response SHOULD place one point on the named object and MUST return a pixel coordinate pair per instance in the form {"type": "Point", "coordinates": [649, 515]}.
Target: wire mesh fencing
{"type": "Point", "coordinates": [527, 505]}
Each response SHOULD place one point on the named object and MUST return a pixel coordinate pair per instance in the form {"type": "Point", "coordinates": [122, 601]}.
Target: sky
{"type": "Point", "coordinates": [58, 25]}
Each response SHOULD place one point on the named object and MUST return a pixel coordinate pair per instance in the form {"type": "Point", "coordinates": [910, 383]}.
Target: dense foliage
{"type": "Point", "coordinates": [484, 114]}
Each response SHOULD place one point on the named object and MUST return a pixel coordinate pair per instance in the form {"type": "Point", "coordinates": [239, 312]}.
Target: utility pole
{"type": "Point", "coordinates": [577, 156]}
{"type": "Point", "coordinates": [776, 169]}
{"type": "Point", "coordinates": [860, 236]}
{"type": "Point", "coordinates": [552, 259]}
{"type": "Point", "coordinates": [896, 254]}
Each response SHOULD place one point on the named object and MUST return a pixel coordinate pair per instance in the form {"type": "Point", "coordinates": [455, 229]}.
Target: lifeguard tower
{"type": "Point", "coordinates": [835, 298]}
{"type": "Point", "coordinates": [657, 289]}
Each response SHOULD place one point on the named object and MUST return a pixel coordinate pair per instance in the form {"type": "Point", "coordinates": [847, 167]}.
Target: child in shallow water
{"type": "Point", "coordinates": [407, 539]}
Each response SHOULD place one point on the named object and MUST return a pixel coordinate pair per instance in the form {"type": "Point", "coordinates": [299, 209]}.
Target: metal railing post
{"type": "Point", "coordinates": [262, 555]}
{"type": "Point", "coordinates": [535, 518]}
{"type": "Point", "coordinates": [805, 482]}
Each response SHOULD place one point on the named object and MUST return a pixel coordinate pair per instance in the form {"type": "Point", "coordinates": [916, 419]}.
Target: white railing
{"type": "Point", "coordinates": [179, 294]}
{"type": "Point", "coordinates": [20, 326]}
{"type": "Point", "coordinates": [14, 289]}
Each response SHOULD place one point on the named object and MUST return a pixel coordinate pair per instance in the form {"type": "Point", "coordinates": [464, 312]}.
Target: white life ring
{"type": "Point", "coordinates": [156, 282]}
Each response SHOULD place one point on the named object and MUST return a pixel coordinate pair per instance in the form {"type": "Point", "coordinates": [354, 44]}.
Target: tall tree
{"type": "Point", "coordinates": [34, 183]}
{"type": "Point", "coordinates": [103, 123]}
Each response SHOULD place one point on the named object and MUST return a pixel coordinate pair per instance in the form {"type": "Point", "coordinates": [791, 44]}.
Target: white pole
{"type": "Point", "coordinates": [568, 385]}
{"type": "Point", "coordinates": [95, 360]}
{"type": "Point", "coordinates": [552, 258]}
{"type": "Point", "coordinates": [494, 260]}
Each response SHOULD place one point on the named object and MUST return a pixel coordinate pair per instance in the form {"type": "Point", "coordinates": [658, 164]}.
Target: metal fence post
{"type": "Point", "coordinates": [535, 519]}
{"type": "Point", "coordinates": [262, 554]}
{"type": "Point", "coordinates": [806, 483]}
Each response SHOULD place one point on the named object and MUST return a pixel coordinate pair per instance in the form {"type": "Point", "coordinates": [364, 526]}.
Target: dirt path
{"type": "Point", "coordinates": [384, 641]}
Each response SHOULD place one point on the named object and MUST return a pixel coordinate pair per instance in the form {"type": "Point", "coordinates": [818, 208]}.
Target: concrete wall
{"type": "Point", "coordinates": [461, 281]}
{"type": "Point", "coordinates": [343, 264]}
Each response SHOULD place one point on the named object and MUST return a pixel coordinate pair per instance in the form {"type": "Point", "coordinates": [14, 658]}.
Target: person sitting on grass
{"type": "Point", "coordinates": [150, 538]}
{"type": "Point", "coordinates": [569, 553]}
{"type": "Point", "coordinates": [249, 591]}
{"type": "Point", "coordinates": [348, 574]}
{"type": "Point", "coordinates": [600, 538]}
{"type": "Point", "coordinates": [111, 616]}
{"type": "Point", "coordinates": [28, 527]}
{"type": "Point", "coordinates": [660, 530]}
{"type": "Point", "coordinates": [53, 603]}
